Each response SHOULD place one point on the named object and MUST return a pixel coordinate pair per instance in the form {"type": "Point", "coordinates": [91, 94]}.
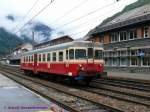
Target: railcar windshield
{"type": "Point", "coordinates": [98, 54]}
{"type": "Point", "coordinates": [80, 54]}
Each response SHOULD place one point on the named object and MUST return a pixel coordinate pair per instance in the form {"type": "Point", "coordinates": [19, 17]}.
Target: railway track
{"type": "Point", "coordinates": [140, 98]}
{"type": "Point", "coordinates": [125, 84]}
{"type": "Point", "coordinates": [68, 98]}
{"type": "Point", "coordinates": [124, 96]}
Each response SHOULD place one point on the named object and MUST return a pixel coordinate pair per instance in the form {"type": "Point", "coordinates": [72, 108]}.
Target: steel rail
{"type": "Point", "coordinates": [52, 85]}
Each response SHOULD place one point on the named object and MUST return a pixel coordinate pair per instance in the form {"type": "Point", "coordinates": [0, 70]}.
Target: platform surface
{"type": "Point", "coordinates": [16, 98]}
{"type": "Point", "coordinates": [138, 76]}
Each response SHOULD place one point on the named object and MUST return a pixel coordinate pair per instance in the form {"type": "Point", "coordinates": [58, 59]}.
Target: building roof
{"type": "Point", "coordinates": [53, 42]}
{"type": "Point", "coordinates": [21, 46]}
{"type": "Point", "coordinates": [137, 15]}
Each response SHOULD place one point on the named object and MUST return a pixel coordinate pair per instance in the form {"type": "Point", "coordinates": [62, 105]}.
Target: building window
{"type": "Point", "coordinates": [114, 37]}
{"type": "Point", "coordinates": [114, 61]}
{"type": "Point", "coordinates": [98, 54]}
{"type": "Point", "coordinates": [146, 61]}
{"type": "Point", "coordinates": [60, 56]}
{"type": "Point", "coordinates": [133, 52]}
{"type": "Point", "coordinates": [48, 56]}
{"type": "Point", "coordinates": [101, 39]}
{"type": "Point", "coordinates": [132, 34]}
{"type": "Point", "coordinates": [123, 62]}
{"type": "Point", "coordinates": [123, 36]}
{"type": "Point", "coordinates": [71, 54]}
{"type": "Point", "coordinates": [44, 59]}
{"type": "Point", "coordinates": [123, 53]}
{"type": "Point", "coordinates": [145, 32]}
{"type": "Point", "coordinates": [134, 61]}
{"type": "Point", "coordinates": [107, 62]}
{"type": "Point", "coordinates": [54, 56]}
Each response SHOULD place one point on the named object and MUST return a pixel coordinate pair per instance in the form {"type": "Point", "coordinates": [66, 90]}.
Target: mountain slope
{"type": "Point", "coordinates": [8, 41]}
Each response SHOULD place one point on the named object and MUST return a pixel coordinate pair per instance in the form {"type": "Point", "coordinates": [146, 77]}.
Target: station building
{"type": "Point", "coordinates": [14, 57]}
{"type": "Point", "coordinates": [126, 41]}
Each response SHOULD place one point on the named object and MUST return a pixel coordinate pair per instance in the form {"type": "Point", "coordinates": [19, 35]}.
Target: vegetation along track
{"type": "Point", "coordinates": [134, 97]}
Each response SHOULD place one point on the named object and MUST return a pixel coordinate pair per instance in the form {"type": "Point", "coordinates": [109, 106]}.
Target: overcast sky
{"type": "Point", "coordinates": [55, 15]}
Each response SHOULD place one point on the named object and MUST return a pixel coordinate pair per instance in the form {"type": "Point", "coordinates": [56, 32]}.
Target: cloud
{"type": "Point", "coordinates": [58, 8]}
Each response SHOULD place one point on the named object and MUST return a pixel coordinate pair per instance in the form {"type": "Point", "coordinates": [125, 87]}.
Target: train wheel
{"type": "Point", "coordinates": [70, 80]}
{"type": "Point", "coordinates": [25, 72]}
{"type": "Point", "coordinates": [87, 81]}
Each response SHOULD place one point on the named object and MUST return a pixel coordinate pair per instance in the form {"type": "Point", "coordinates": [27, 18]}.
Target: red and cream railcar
{"type": "Point", "coordinates": [80, 60]}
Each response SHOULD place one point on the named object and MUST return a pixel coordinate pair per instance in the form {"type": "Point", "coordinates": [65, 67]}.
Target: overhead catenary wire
{"type": "Point", "coordinates": [35, 15]}
{"type": "Point", "coordinates": [81, 17]}
{"type": "Point", "coordinates": [85, 30]}
{"type": "Point", "coordinates": [95, 19]}
{"type": "Point", "coordinates": [66, 23]}
{"type": "Point", "coordinates": [28, 12]}
{"type": "Point", "coordinates": [71, 10]}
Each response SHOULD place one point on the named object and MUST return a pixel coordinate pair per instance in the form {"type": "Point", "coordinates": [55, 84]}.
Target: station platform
{"type": "Point", "coordinates": [138, 76]}
{"type": "Point", "coordinates": [16, 98]}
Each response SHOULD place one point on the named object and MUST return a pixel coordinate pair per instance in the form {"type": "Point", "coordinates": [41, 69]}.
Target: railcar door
{"type": "Point", "coordinates": [35, 63]}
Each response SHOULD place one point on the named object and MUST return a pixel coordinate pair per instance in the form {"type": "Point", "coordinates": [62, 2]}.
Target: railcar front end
{"type": "Point", "coordinates": [76, 60]}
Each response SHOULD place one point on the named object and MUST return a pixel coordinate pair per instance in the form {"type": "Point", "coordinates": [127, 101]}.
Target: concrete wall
{"type": "Point", "coordinates": [128, 69]}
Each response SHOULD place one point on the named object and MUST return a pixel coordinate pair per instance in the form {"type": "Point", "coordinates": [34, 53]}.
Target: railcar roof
{"type": "Point", "coordinates": [64, 46]}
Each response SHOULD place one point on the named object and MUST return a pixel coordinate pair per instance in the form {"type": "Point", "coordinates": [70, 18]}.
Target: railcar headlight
{"type": "Point", "coordinates": [82, 68]}
{"type": "Point", "coordinates": [70, 73]}
{"type": "Point", "coordinates": [67, 65]}
{"type": "Point", "coordinates": [80, 65]}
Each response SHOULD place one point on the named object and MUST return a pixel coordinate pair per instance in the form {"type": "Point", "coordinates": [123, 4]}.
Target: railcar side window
{"type": "Point", "coordinates": [67, 54]}
{"type": "Point", "coordinates": [24, 59]}
{"type": "Point", "coordinates": [39, 57]}
{"type": "Point", "coordinates": [35, 58]}
{"type": "Point", "coordinates": [71, 54]}
{"type": "Point", "coordinates": [98, 54]}
{"type": "Point", "coordinates": [48, 56]}
{"type": "Point", "coordinates": [44, 59]}
{"type": "Point", "coordinates": [29, 58]}
{"type": "Point", "coordinates": [90, 52]}
{"type": "Point", "coordinates": [60, 56]}
{"type": "Point", "coordinates": [80, 53]}
{"type": "Point", "coordinates": [54, 56]}
{"type": "Point", "coordinates": [32, 58]}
